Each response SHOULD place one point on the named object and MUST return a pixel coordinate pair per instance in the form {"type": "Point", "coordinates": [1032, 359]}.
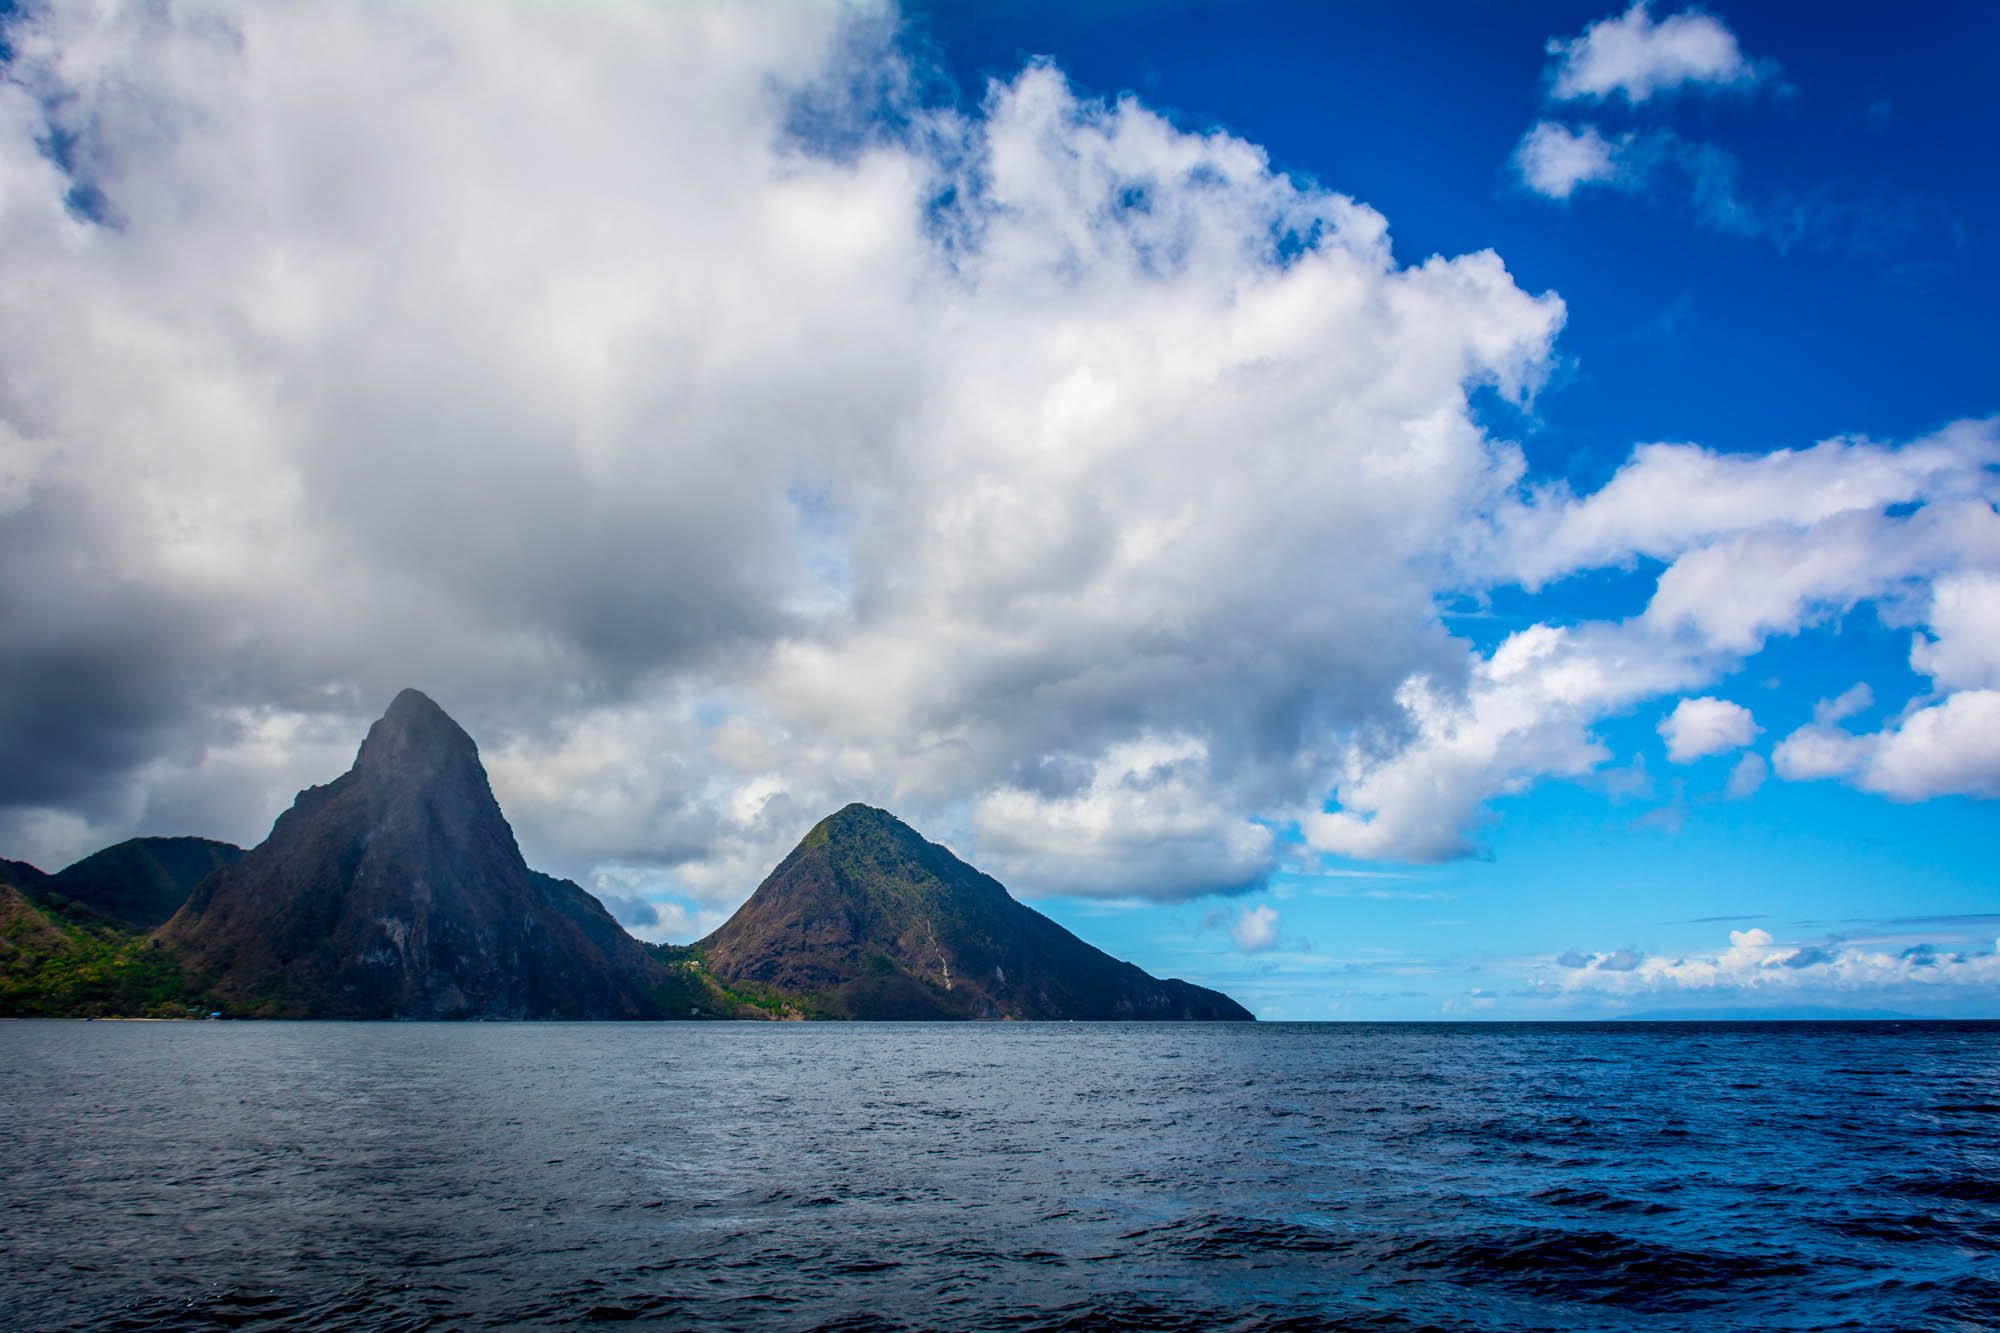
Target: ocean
{"type": "Point", "coordinates": [1001, 1176]}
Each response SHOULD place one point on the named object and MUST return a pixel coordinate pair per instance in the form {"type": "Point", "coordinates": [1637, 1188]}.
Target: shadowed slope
{"type": "Point", "coordinates": [141, 882]}
{"type": "Point", "coordinates": [866, 919]}
{"type": "Point", "coordinates": [397, 891]}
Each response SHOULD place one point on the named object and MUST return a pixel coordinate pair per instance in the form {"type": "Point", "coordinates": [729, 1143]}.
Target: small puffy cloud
{"type": "Point", "coordinates": [1255, 929]}
{"type": "Point", "coordinates": [1947, 747]}
{"type": "Point", "coordinates": [1556, 161]}
{"type": "Point", "coordinates": [1952, 748]}
{"type": "Point", "coordinates": [1637, 58]}
{"type": "Point", "coordinates": [1746, 777]}
{"type": "Point", "coordinates": [1553, 160]}
{"type": "Point", "coordinates": [1705, 726]}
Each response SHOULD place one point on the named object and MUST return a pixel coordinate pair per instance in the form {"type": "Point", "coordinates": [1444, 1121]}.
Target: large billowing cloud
{"type": "Point", "coordinates": [723, 434]}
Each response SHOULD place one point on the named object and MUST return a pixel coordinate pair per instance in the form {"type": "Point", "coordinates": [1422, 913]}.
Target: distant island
{"type": "Point", "coordinates": [397, 891]}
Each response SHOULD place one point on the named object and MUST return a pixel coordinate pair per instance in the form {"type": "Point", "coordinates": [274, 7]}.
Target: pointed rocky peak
{"type": "Point", "coordinates": [415, 741]}
{"type": "Point", "coordinates": [398, 890]}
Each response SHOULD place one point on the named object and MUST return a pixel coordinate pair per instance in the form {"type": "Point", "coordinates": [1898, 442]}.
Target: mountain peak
{"type": "Point", "coordinates": [414, 738]}
{"type": "Point", "coordinates": [397, 890]}
{"type": "Point", "coordinates": [869, 919]}
{"type": "Point", "coordinates": [856, 818]}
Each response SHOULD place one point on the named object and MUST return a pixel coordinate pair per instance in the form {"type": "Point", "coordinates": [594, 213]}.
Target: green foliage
{"type": "Point", "coordinates": [685, 993]}
{"type": "Point", "coordinates": [65, 967]}
{"type": "Point", "coordinates": [691, 990]}
{"type": "Point", "coordinates": [270, 998]}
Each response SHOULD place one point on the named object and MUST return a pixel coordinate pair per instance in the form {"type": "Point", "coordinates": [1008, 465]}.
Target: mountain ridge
{"type": "Point", "coordinates": [141, 882]}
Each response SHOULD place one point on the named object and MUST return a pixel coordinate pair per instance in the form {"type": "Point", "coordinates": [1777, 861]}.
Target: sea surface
{"type": "Point", "coordinates": [1005, 1176]}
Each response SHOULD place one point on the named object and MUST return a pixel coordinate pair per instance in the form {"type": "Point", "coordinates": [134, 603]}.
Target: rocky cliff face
{"type": "Point", "coordinates": [866, 919]}
{"type": "Point", "coordinates": [397, 891]}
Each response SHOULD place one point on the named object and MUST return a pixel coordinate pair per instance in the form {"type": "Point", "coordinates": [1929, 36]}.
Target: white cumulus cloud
{"type": "Point", "coordinates": [1633, 56]}
{"type": "Point", "coordinates": [1525, 713]}
{"type": "Point", "coordinates": [718, 430]}
{"type": "Point", "coordinates": [1255, 929]}
{"type": "Point", "coordinates": [1753, 547]}
{"type": "Point", "coordinates": [725, 433]}
{"type": "Point", "coordinates": [1700, 727]}
{"type": "Point", "coordinates": [1553, 160]}
{"type": "Point", "coordinates": [1950, 748]}
{"type": "Point", "coordinates": [1962, 648]}
{"type": "Point", "coordinates": [1946, 745]}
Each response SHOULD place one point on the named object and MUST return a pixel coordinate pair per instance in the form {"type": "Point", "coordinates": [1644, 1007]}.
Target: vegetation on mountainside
{"type": "Point", "coordinates": [55, 965]}
{"type": "Point", "coordinates": [691, 991]}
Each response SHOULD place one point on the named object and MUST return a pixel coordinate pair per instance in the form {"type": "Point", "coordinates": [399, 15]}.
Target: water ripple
{"type": "Point", "coordinates": [1009, 1177]}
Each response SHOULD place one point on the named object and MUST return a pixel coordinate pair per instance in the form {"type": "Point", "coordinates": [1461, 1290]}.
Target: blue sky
{"type": "Point", "coordinates": [1395, 511]}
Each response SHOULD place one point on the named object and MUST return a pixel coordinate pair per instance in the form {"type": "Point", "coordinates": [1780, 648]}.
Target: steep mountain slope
{"type": "Point", "coordinates": [397, 891]}
{"type": "Point", "coordinates": [58, 960]}
{"type": "Point", "coordinates": [140, 882]}
{"type": "Point", "coordinates": [866, 919]}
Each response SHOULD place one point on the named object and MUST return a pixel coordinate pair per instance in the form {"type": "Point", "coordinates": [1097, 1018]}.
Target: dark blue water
{"type": "Point", "coordinates": [1077, 1176]}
